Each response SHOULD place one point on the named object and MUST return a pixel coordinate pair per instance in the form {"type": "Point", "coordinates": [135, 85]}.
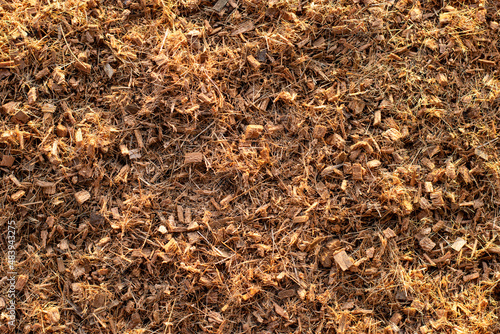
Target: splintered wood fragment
{"type": "Point", "coordinates": [394, 56]}
{"type": "Point", "coordinates": [50, 190]}
{"type": "Point", "coordinates": [320, 42]}
{"type": "Point", "coordinates": [438, 226]}
{"type": "Point", "coordinates": [17, 195]}
{"type": "Point", "coordinates": [32, 96]}
{"type": "Point", "coordinates": [373, 164]}
{"type": "Point", "coordinates": [193, 226]}
{"type": "Point", "coordinates": [481, 154]}
{"type": "Point", "coordinates": [226, 200]}
{"type": "Point", "coordinates": [180, 213]}
{"type": "Point", "coordinates": [437, 198]}
{"type": "Point", "coordinates": [60, 265]}
{"type": "Point", "coordinates": [427, 244]}
{"type": "Point", "coordinates": [319, 131]}
{"type": "Point", "coordinates": [15, 180]}
{"type": "Point", "coordinates": [337, 30]}
{"type": "Point", "coordinates": [187, 216]}
{"type": "Point", "coordinates": [172, 247]}
{"type": "Point", "coordinates": [82, 196]}
{"type": "Point", "coordinates": [442, 79]}
{"type": "Point", "coordinates": [343, 260]}
{"type": "Point", "coordinates": [48, 108]}
{"type": "Point", "coordinates": [286, 293]}
{"type": "Point", "coordinates": [138, 137]}
{"type": "Point", "coordinates": [471, 277]}
{"type": "Point", "coordinates": [451, 171]}
{"type": "Point", "coordinates": [21, 116]}
{"type": "Point", "coordinates": [301, 219]}
{"type": "Point", "coordinates": [109, 70]}
{"type": "Point", "coordinates": [389, 233]}
{"type": "Point", "coordinates": [162, 229]}
{"type": "Point", "coordinates": [362, 145]}
{"type": "Point", "coordinates": [122, 175]}
{"type": "Point", "coordinates": [253, 131]}
{"type": "Point", "coordinates": [357, 172]}
{"type": "Point", "coordinates": [83, 67]}
{"type": "Point", "coordinates": [193, 158]}
{"type": "Point", "coordinates": [464, 172]}
{"type": "Point", "coordinates": [205, 98]}
{"type": "Point", "coordinates": [61, 131]}
{"type": "Point", "coordinates": [10, 107]}
{"type": "Point", "coordinates": [7, 161]}
{"type": "Point", "coordinates": [44, 184]}
{"type": "Point", "coordinates": [428, 163]}
{"type": "Point", "coordinates": [343, 186]}
{"type": "Point", "coordinates": [124, 150]}
{"type": "Point", "coordinates": [392, 134]}
{"type": "Point", "coordinates": [135, 154]}
{"type": "Point", "coordinates": [42, 73]}
{"type": "Point", "coordinates": [428, 187]}
{"type": "Point", "coordinates": [79, 137]}
{"type": "Point", "coordinates": [396, 318]}
{"type": "Point", "coordinates": [280, 311]}
{"type": "Point", "coordinates": [302, 43]}
{"type": "Point", "coordinates": [253, 62]}
{"type": "Point", "coordinates": [115, 213]}
{"type": "Point", "coordinates": [243, 28]}
{"type": "Point", "coordinates": [219, 5]}
{"type": "Point", "coordinates": [458, 244]}
{"type": "Point", "coordinates": [416, 14]}
{"type": "Point", "coordinates": [21, 282]}
{"type": "Point", "coordinates": [337, 141]}
{"type": "Point", "coordinates": [332, 170]}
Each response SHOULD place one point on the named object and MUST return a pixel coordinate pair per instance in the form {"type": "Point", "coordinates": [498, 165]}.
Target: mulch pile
{"type": "Point", "coordinates": [246, 166]}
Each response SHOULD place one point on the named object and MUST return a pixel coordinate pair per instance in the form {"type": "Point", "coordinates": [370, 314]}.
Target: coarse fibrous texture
{"type": "Point", "coordinates": [251, 166]}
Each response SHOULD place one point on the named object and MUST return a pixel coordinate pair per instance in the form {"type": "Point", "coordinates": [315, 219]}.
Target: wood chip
{"type": "Point", "coordinates": [10, 108]}
{"type": "Point", "coordinates": [61, 131]}
{"type": "Point", "coordinates": [109, 71]}
{"type": "Point", "coordinates": [280, 311]}
{"type": "Point", "coordinates": [373, 164]}
{"type": "Point", "coordinates": [17, 195]}
{"type": "Point", "coordinates": [48, 108]}
{"type": "Point", "coordinates": [253, 131]}
{"type": "Point", "coordinates": [253, 62]}
{"type": "Point", "coordinates": [82, 196]}
{"type": "Point", "coordinates": [389, 233]}
{"type": "Point", "coordinates": [22, 117]}
{"type": "Point", "coordinates": [319, 131]}
{"type": "Point", "coordinates": [458, 244]}
{"type": "Point", "coordinates": [300, 219]}
{"type": "Point", "coordinates": [243, 28]}
{"type": "Point", "coordinates": [7, 161]}
{"type": "Point", "coordinates": [193, 158]}
{"type": "Point", "coordinates": [21, 282]}
{"type": "Point", "coordinates": [219, 5]}
{"type": "Point", "coordinates": [471, 277]}
{"type": "Point", "coordinates": [32, 96]}
{"type": "Point", "coordinates": [79, 138]}
{"type": "Point", "coordinates": [83, 67]}
{"type": "Point", "coordinates": [343, 260]}
{"type": "Point", "coordinates": [357, 172]}
{"type": "Point", "coordinates": [427, 244]}
{"type": "Point", "coordinates": [393, 135]}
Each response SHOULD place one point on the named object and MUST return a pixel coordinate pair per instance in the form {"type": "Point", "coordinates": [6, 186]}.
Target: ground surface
{"type": "Point", "coordinates": [251, 166]}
